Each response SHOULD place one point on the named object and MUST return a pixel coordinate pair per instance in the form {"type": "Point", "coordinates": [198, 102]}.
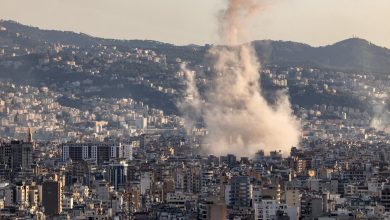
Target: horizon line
{"type": "Point", "coordinates": [189, 44]}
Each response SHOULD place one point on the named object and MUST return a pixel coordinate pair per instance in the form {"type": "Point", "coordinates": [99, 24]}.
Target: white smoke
{"type": "Point", "coordinates": [381, 119]}
{"type": "Point", "coordinates": [233, 20]}
{"type": "Point", "coordinates": [192, 106]}
{"type": "Point", "coordinates": [239, 119]}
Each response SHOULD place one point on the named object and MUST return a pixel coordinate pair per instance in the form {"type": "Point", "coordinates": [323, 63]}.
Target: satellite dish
{"type": "Point", "coordinates": [312, 173]}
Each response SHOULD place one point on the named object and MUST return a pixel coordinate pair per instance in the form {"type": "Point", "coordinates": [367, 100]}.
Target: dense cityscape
{"type": "Point", "coordinates": [95, 131]}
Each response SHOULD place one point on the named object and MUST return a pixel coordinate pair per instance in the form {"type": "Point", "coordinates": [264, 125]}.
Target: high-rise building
{"type": "Point", "coordinates": [118, 174]}
{"type": "Point", "coordinates": [293, 197]}
{"type": "Point", "coordinates": [133, 198]}
{"type": "Point", "coordinates": [5, 153]}
{"type": "Point", "coordinates": [240, 191]}
{"type": "Point", "coordinates": [9, 195]}
{"type": "Point", "coordinates": [385, 197]}
{"type": "Point", "coordinates": [52, 197]}
{"type": "Point", "coordinates": [33, 196]}
{"type": "Point", "coordinates": [122, 151]}
{"type": "Point", "coordinates": [192, 180]}
{"type": "Point", "coordinates": [17, 155]}
{"type": "Point", "coordinates": [22, 198]}
{"type": "Point", "coordinates": [21, 155]}
{"type": "Point", "coordinates": [5, 160]}
{"type": "Point", "coordinates": [100, 152]}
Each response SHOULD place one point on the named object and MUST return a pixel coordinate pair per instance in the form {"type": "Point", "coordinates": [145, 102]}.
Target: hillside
{"type": "Point", "coordinates": [348, 55]}
{"type": "Point", "coordinates": [69, 37]}
{"type": "Point", "coordinates": [147, 70]}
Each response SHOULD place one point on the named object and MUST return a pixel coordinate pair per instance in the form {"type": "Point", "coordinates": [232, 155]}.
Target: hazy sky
{"type": "Point", "coordinates": [317, 22]}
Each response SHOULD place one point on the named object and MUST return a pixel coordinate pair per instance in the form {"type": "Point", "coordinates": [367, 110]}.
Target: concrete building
{"type": "Point", "coordinates": [17, 155]}
{"type": "Point", "coordinates": [267, 209]}
{"type": "Point", "coordinates": [240, 191]}
{"type": "Point", "coordinates": [96, 151]}
{"type": "Point", "coordinates": [385, 197]}
{"type": "Point", "coordinates": [52, 197]}
{"type": "Point", "coordinates": [141, 123]}
{"type": "Point", "coordinates": [212, 208]}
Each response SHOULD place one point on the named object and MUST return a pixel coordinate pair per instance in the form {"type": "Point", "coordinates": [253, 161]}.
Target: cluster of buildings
{"type": "Point", "coordinates": [27, 107]}
{"type": "Point", "coordinates": [69, 92]}
{"type": "Point", "coordinates": [81, 103]}
{"type": "Point", "coordinates": [97, 155]}
{"type": "Point", "coordinates": [356, 103]}
{"type": "Point", "coordinates": [163, 177]}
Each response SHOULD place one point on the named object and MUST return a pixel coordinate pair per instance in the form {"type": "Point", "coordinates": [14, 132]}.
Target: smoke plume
{"type": "Point", "coordinates": [381, 118]}
{"type": "Point", "coordinates": [238, 117]}
{"type": "Point", "coordinates": [192, 106]}
{"type": "Point", "coordinates": [233, 20]}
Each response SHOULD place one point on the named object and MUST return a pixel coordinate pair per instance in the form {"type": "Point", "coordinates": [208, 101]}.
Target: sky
{"type": "Point", "coordinates": [316, 22]}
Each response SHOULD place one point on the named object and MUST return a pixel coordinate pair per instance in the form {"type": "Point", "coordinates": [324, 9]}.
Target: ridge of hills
{"type": "Point", "coordinates": [352, 54]}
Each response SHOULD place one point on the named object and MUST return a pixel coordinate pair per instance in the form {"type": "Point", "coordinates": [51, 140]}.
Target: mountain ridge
{"type": "Point", "coordinates": [353, 54]}
{"type": "Point", "coordinates": [68, 37]}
